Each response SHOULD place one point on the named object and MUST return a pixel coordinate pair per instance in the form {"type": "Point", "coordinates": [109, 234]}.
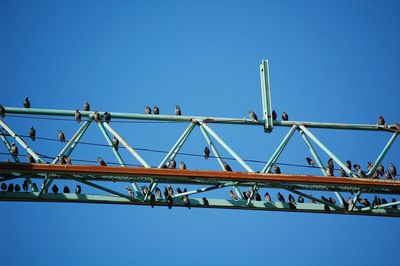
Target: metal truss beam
{"type": "Point", "coordinates": [194, 202]}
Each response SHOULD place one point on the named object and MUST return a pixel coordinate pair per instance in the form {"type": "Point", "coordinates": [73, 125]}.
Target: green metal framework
{"type": "Point", "coordinates": [205, 125]}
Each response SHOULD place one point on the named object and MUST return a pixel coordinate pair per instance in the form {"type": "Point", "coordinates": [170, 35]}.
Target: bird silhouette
{"type": "Point", "coordinates": [393, 170]}
{"type": "Point", "coordinates": [300, 199]}
{"type": "Point", "coordinates": [280, 197]}
{"type": "Point", "coordinates": [348, 164]}
{"type": "Point", "coordinates": [205, 202]}
{"type": "Point", "coordinates": [206, 153]}
{"type": "Point", "coordinates": [285, 116]}
{"type": "Point", "coordinates": [27, 103]}
{"type": "Point", "coordinates": [381, 121]}
{"type": "Point", "coordinates": [86, 106]}
{"type": "Point", "coordinates": [10, 187]}
{"type": "Point", "coordinates": [182, 165]}
{"type": "Point", "coordinates": [381, 169]}
{"type": "Point", "coordinates": [107, 117]}
{"type": "Point", "coordinates": [388, 175]}
{"type": "Point", "coordinates": [233, 195]}
{"type": "Point", "coordinates": [186, 201]}
{"type": "Point", "coordinates": [257, 196]}
{"type": "Point", "coordinates": [97, 117]}
{"type": "Point", "coordinates": [115, 143]}
{"type": "Point", "coordinates": [152, 200]}
{"type": "Point", "coordinates": [177, 110]}
{"type": "Point", "coordinates": [3, 186]}
{"type": "Point", "coordinates": [267, 197]}
{"type": "Point", "coordinates": [172, 164]}
{"type": "Point", "coordinates": [274, 115]}
{"type": "Point", "coordinates": [25, 186]}
{"type": "Point", "coordinates": [130, 191]}
{"type": "Point", "coordinates": [147, 110]}
{"type": "Point", "coordinates": [66, 189]}
{"type": "Point", "coordinates": [158, 192]}
{"type": "Point", "coordinates": [277, 170]}
{"type": "Point", "coordinates": [310, 162]}
{"type": "Point", "coordinates": [2, 111]}
{"type": "Point", "coordinates": [61, 136]}
{"type": "Point", "coordinates": [78, 189]}
{"type": "Point", "coordinates": [17, 188]}
{"type": "Point", "coordinates": [170, 201]}
{"type": "Point", "coordinates": [328, 171]}
{"type": "Point", "coordinates": [78, 116]}
{"type": "Point", "coordinates": [156, 110]}
{"type": "Point", "coordinates": [31, 159]}
{"type": "Point", "coordinates": [54, 189]}
{"type": "Point", "coordinates": [32, 133]}
{"type": "Point", "coordinates": [343, 173]}
{"type": "Point", "coordinates": [253, 116]}
{"type": "Point", "coordinates": [101, 161]}
{"type": "Point", "coordinates": [377, 201]}
{"type": "Point", "coordinates": [14, 150]}
{"type": "Point", "coordinates": [227, 167]}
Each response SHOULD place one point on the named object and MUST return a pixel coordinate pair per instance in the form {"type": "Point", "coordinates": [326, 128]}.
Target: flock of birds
{"type": "Point", "coordinates": [390, 174]}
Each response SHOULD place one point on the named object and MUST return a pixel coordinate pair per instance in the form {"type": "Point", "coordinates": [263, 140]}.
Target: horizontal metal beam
{"type": "Point", "coordinates": [174, 118]}
{"type": "Point", "coordinates": [201, 177]}
{"type": "Point", "coordinates": [194, 203]}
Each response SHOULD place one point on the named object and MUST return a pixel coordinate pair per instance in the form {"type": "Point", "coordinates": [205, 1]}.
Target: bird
{"type": "Point", "coordinates": [152, 200]}
{"type": "Point", "coordinates": [101, 161]}
{"type": "Point", "coordinates": [14, 150]}
{"type": "Point", "coordinates": [361, 173]}
{"type": "Point", "coordinates": [115, 143]}
{"type": "Point", "coordinates": [310, 162]}
{"type": "Point", "coordinates": [247, 195]}
{"type": "Point", "coordinates": [182, 165]}
{"type": "Point", "coordinates": [177, 110]}
{"type": "Point", "coordinates": [205, 202]}
{"type": "Point", "coordinates": [381, 121]}
{"type": "Point", "coordinates": [172, 164]}
{"type": "Point", "coordinates": [393, 206]}
{"type": "Point", "coordinates": [130, 191]}
{"type": "Point", "coordinates": [78, 189]}
{"type": "Point", "coordinates": [61, 136]}
{"type": "Point", "coordinates": [377, 201]}
{"type": "Point", "coordinates": [274, 115]}
{"type": "Point", "coordinates": [145, 191]}
{"type": "Point", "coordinates": [30, 158]}
{"type": "Point", "coordinates": [78, 116]}
{"type": "Point", "coordinates": [156, 110]}
{"type": "Point", "coordinates": [343, 173]}
{"type": "Point", "coordinates": [330, 163]}
{"type": "Point", "coordinates": [369, 166]}
{"type": "Point", "coordinates": [365, 202]}
{"type": "Point", "coordinates": [291, 198]}
{"type": "Point", "coordinates": [348, 164]}
{"type": "Point", "coordinates": [285, 116]}
{"type": "Point", "coordinates": [292, 202]}
{"type": "Point", "coordinates": [170, 201]}
{"type": "Point", "coordinates": [332, 200]}
{"type": "Point", "coordinates": [147, 110]}
{"type": "Point", "coordinates": [233, 195]}
{"type": "Point", "coordinates": [381, 169]}
{"type": "Point", "coordinates": [277, 170]}
{"type": "Point", "coordinates": [27, 103]}
{"type": "Point", "coordinates": [158, 192]}
{"type": "Point", "coordinates": [350, 201]}
{"type": "Point", "coordinates": [97, 117]}
{"type": "Point", "coordinates": [2, 111]}
{"type": "Point", "coordinates": [86, 106]}
{"type": "Point", "coordinates": [10, 187]}
{"type": "Point", "coordinates": [66, 189]}
{"type": "Point", "coordinates": [393, 170]}
{"type": "Point", "coordinates": [206, 153]}
{"type": "Point", "coordinates": [170, 190]}
{"type": "Point", "coordinates": [375, 174]}
{"type": "Point", "coordinates": [54, 189]}
{"type": "Point", "coordinates": [388, 175]}
{"type": "Point", "coordinates": [25, 186]}
{"type": "Point", "coordinates": [64, 159]}
{"type": "Point", "coordinates": [186, 201]}
{"type": "Point", "coordinates": [107, 117]}
{"type": "Point", "coordinates": [253, 116]}
{"type": "Point", "coordinates": [3, 186]}
{"type": "Point", "coordinates": [227, 167]}
{"type": "Point", "coordinates": [328, 171]}
{"type": "Point", "coordinates": [300, 199]}
{"type": "Point", "coordinates": [17, 188]}
{"type": "Point", "coordinates": [384, 201]}
{"type": "Point", "coordinates": [32, 133]}
{"type": "Point", "coordinates": [267, 197]}
{"type": "Point", "coordinates": [178, 190]}
{"type": "Point", "coordinates": [280, 197]}
{"type": "Point", "coordinates": [257, 196]}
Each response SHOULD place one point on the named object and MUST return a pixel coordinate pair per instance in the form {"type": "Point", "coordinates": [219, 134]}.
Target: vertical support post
{"type": "Point", "coordinates": [174, 150]}
{"type": "Point", "coordinates": [226, 147]}
{"type": "Point", "coordinates": [21, 142]}
{"type": "Point", "coordinates": [266, 96]}
{"type": "Point", "coordinates": [219, 159]}
{"type": "Point", "coordinates": [129, 148]}
{"type": "Point", "coordinates": [383, 153]}
{"type": "Point", "coordinates": [279, 150]}
{"type": "Point", "coordinates": [117, 154]}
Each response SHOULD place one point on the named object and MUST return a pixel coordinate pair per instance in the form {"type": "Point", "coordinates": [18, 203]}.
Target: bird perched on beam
{"type": "Point", "coordinates": [233, 195]}
{"type": "Point", "coordinates": [152, 200]}
{"type": "Point", "coordinates": [97, 117]}
{"type": "Point", "coordinates": [381, 121]}
{"type": "Point", "coordinates": [206, 153]}
{"type": "Point", "coordinates": [253, 116]}
{"type": "Point", "coordinates": [280, 197]}
{"type": "Point", "coordinates": [178, 110]}
{"type": "Point", "coordinates": [130, 191]}
{"type": "Point", "coordinates": [61, 136]}
{"type": "Point", "coordinates": [66, 189]}
{"type": "Point", "coordinates": [205, 202]}
{"type": "Point", "coordinates": [25, 186]}
{"type": "Point", "coordinates": [343, 173]}
{"type": "Point", "coordinates": [393, 171]}
{"type": "Point", "coordinates": [348, 164]}
{"type": "Point", "coordinates": [170, 201]}
{"type": "Point", "coordinates": [277, 170]}
{"type": "Point", "coordinates": [54, 189]}
{"type": "Point", "coordinates": [78, 116]}
{"type": "Point", "coordinates": [27, 103]}
{"type": "Point", "coordinates": [3, 186]}
{"type": "Point", "coordinates": [310, 162]}
{"type": "Point", "coordinates": [14, 150]}
{"type": "Point", "coordinates": [107, 117]}
{"type": "Point", "coordinates": [227, 167]}
{"type": "Point", "coordinates": [388, 175]}
{"type": "Point", "coordinates": [381, 169]}
{"type": "Point", "coordinates": [31, 159]}
{"type": "Point", "coordinates": [101, 161]}
{"type": "Point", "coordinates": [274, 115]}
{"type": "Point", "coordinates": [2, 111]}
{"type": "Point", "coordinates": [86, 106]}
{"type": "Point", "coordinates": [172, 164]}
{"type": "Point", "coordinates": [32, 133]}
{"type": "Point", "coordinates": [78, 189]}
{"type": "Point", "coordinates": [267, 197]}
{"type": "Point", "coordinates": [115, 143]}
{"type": "Point", "coordinates": [10, 187]}
{"type": "Point", "coordinates": [156, 110]}
{"type": "Point", "coordinates": [285, 116]}
{"type": "Point", "coordinates": [158, 193]}
{"type": "Point", "coordinates": [300, 199]}
{"type": "Point", "coordinates": [17, 188]}
{"type": "Point", "coordinates": [186, 201]}
{"type": "Point", "coordinates": [182, 165]}
{"type": "Point", "coordinates": [147, 110]}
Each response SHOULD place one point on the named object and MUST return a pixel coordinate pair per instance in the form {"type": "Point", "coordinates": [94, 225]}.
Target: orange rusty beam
{"type": "Point", "coordinates": [195, 174]}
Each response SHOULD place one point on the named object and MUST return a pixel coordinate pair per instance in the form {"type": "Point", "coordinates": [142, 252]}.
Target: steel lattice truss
{"type": "Point", "coordinates": [299, 185]}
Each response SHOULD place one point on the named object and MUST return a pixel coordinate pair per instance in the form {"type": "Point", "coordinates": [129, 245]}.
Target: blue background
{"type": "Point", "coordinates": [330, 61]}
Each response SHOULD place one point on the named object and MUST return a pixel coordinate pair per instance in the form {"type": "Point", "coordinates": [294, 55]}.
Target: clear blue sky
{"type": "Point", "coordinates": [332, 61]}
